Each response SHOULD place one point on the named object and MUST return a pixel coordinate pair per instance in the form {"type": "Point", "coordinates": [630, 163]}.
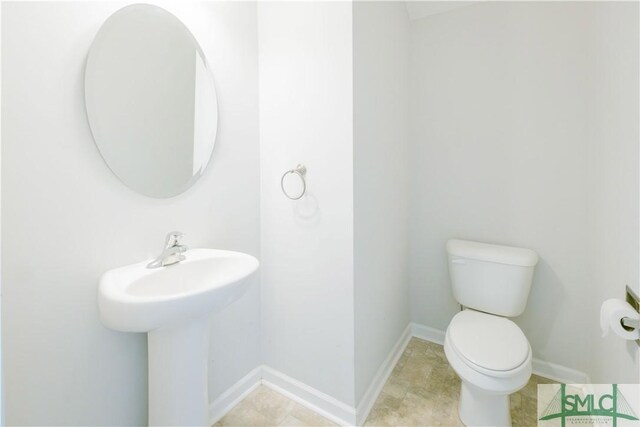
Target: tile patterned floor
{"type": "Point", "coordinates": [421, 391]}
{"type": "Point", "coordinates": [265, 407]}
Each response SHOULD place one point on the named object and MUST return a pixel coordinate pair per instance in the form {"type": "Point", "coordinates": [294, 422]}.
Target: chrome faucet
{"type": "Point", "coordinates": [172, 253]}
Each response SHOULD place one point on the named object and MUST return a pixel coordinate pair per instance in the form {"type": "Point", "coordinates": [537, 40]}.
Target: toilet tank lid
{"type": "Point", "coordinates": [492, 253]}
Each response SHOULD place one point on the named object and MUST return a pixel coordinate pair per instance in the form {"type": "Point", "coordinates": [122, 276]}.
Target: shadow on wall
{"type": "Point", "coordinates": [548, 296]}
{"type": "Point", "coordinates": [306, 211]}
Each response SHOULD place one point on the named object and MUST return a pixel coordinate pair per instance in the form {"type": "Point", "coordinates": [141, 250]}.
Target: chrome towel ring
{"type": "Point", "coordinates": [301, 171]}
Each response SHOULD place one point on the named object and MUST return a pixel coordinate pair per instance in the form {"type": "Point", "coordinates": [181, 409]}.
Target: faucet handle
{"type": "Point", "coordinates": [173, 239]}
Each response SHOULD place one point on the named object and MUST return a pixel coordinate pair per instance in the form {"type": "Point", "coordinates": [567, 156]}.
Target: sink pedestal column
{"type": "Point", "coordinates": [178, 389]}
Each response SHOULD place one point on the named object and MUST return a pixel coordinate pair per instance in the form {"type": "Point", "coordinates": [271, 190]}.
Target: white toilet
{"type": "Point", "coordinates": [489, 352]}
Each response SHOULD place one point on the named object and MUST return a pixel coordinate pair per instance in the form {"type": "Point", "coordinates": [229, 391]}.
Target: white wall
{"type": "Point", "coordinates": [614, 182]}
{"type": "Point", "coordinates": [524, 132]}
{"type": "Point", "coordinates": [500, 113]}
{"type": "Point", "coordinates": [307, 245]}
{"type": "Point", "coordinates": [422, 9]}
{"type": "Point", "coordinates": [66, 218]}
{"type": "Point", "coordinates": [381, 178]}
{"type": "Point", "coordinates": [2, 422]}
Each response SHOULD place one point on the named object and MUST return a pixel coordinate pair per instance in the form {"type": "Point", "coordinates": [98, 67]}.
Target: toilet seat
{"type": "Point", "coordinates": [474, 339]}
{"type": "Point", "coordinates": [489, 344]}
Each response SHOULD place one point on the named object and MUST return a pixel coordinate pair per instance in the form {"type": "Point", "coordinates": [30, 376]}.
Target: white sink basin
{"type": "Point", "coordinates": [172, 304]}
{"type": "Point", "coordinates": [140, 299]}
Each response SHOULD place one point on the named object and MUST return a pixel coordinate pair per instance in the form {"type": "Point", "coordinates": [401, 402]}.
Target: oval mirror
{"type": "Point", "coordinates": [151, 100]}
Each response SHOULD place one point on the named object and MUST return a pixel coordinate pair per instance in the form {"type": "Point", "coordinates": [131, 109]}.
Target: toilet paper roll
{"type": "Point", "coordinates": [612, 312]}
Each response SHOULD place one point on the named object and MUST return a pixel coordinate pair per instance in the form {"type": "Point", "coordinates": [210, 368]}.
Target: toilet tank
{"type": "Point", "coordinates": [491, 278]}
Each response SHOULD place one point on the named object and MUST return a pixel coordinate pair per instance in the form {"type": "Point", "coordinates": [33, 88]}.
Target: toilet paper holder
{"type": "Point", "coordinates": [630, 323]}
{"type": "Point", "coordinates": [634, 302]}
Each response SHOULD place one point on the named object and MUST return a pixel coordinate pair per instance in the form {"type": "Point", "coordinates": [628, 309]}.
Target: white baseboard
{"type": "Point", "coordinates": [427, 333]}
{"type": "Point", "coordinates": [370, 396]}
{"type": "Point", "coordinates": [230, 398]}
{"type": "Point", "coordinates": [559, 373]}
{"type": "Point", "coordinates": [341, 413]}
{"type": "Point", "coordinates": [317, 401]}
{"type": "Point", "coordinates": [540, 367]}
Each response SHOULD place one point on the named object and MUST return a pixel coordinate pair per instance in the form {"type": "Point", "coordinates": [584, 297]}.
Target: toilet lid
{"type": "Point", "coordinates": [491, 342]}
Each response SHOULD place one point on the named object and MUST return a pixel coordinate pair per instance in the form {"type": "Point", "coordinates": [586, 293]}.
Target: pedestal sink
{"type": "Point", "coordinates": [172, 304]}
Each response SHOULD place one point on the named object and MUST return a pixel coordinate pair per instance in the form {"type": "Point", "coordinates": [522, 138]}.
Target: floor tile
{"type": "Point", "coordinates": [422, 391]}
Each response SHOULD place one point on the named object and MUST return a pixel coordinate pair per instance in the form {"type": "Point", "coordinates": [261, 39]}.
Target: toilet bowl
{"type": "Point", "coordinates": [492, 357]}
{"type": "Point", "coordinates": [489, 352]}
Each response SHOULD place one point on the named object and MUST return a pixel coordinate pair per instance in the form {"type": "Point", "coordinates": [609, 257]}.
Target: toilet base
{"type": "Point", "coordinates": [479, 408]}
